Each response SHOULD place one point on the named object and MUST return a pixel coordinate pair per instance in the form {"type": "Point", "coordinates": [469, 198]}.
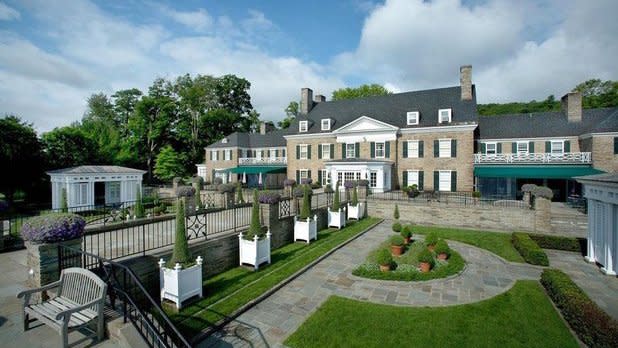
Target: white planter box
{"type": "Point", "coordinates": [336, 219]}
{"type": "Point", "coordinates": [178, 284]}
{"type": "Point", "coordinates": [254, 252]}
{"type": "Point", "coordinates": [306, 229]}
{"type": "Point", "coordinates": [356, 212]}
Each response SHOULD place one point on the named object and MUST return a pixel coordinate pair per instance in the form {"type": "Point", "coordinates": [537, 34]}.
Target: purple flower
{"type": "Point", "coordinates": [289, 182]}
{"type": "Point", "coordinates": [348, 184]}
{"type": "Point", "coordinates": [53, 228]}
{"type": "Point", "coordinates": [306, 181]}
{"type": "Point", "coordinates": [269, 197]}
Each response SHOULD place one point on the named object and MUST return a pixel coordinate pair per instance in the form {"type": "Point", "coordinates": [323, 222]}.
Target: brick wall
{"type": "Point", "coordinates": [314, 164]}
{"type": "Point", "coordinates": [603, 157]}
{"type": "Point", "coordinates": [220, 163]}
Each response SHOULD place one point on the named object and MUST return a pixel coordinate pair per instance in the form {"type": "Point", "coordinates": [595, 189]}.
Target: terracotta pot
{"type": "Point", "coordinates": [431, 247]}
{"type": "Point", "coordinates": [407, 240]}
{"type": "Point", "coordinates": [442, 256]}
{"type": "Point", "coordinates": [385, 268]}
{"type": "Point", "coordinates": [425, 267]}
{"type": "Point", "coordinates": [396, 250]}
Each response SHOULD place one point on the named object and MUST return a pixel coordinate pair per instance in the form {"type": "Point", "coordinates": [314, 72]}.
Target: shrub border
{"type": "Point", "coordinates": [529, 250]}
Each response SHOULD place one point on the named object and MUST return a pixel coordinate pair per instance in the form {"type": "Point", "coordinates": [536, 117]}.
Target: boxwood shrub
{"type": "Point", "coordinates": [593, 326]}
{"type": "Point", "coordinates": [52, 228]}
{"type": "Point", "coordinates": [397, 227]}
{"type": "Point", "coordinates": [559, 242]}
{"type": "Point", "coordinates": [531, 252]}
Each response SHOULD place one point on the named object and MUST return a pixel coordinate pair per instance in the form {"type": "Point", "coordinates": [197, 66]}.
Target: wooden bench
{"type": "Point", "coordinates": [80, 299]}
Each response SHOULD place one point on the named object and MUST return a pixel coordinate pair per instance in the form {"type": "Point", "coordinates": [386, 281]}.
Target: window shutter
{"type": "Point", "coordinates": [454, 148]}
{"type": "Point", "coordinates": [343, 154]}
{"type": "Point", "coordinates": [372, 147]}
{"type": "Point", "coordinates": [567, 146]}
{"type": "Point", "coordinates": [421, 180]}
{"type": "Point", "coordinates": [421, 151]}
{"type": "Point", "coordinates": [357, 150]}
{"type": "Point", "coordinates": [332, 151]}
{"type": "Point", "coordinates": [454, 181]}
{"type": "Point", "coordinates": [320, 177]}
{"type": "Point", "coordinates": [319, 151]}
{"type": "Point", "coordinates": [276, 153]}
{"type": "Point", "coordinates": [436, 180]}
{"type": "Point", "coordinates": [513, 147]}
{"type": "Point", "coordinates": [263, 153]}
{"type": "Point", "coordinates": [615, 145]}
{"type": "Point", "coordinates": [499, 148]}
{"type": "Point", "coordinates": [297, 152]}
{"type": "Point", "coordinates": [405, 179]}
{"type": "Point", "coordinates": [308, 151]}
{"type": "Point", "coordinates": [387, 150]}
{"type": "Point", "coordinates": [436, 148]}
{"type": "Point", "coordinates": [298, 176]}
{"type": "Point", "coordinates": [309, 173]}
{"type": "Point", "coordinates": [548, 146]}
{"type": "Point", "coordinates": [210, 152]}
{"type": "Point", "coordinates": [404, 150]}
{"type": "Point", "coordinates": [531, 147]}
{"type": "Point", "coordinates": [483, 148]}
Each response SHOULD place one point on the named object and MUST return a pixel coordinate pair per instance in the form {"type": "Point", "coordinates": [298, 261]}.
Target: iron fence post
{"type": "Point", "coordinates": [144, 240]}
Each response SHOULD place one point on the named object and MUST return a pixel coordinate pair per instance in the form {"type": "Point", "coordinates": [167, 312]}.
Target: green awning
{"type": "Point", "coordinates": [534, 172]}
{"type": "Point", "coordinates": [258, 169]}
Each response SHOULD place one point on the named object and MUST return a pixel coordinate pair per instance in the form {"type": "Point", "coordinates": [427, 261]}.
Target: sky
{"type": "Point", "coordinates": [55, 54]}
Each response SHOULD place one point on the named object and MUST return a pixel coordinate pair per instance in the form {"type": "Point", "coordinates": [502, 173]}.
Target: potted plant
{"type": "Point", "coordinates": [384, 259]}
{"type": "Point", "coordinates": [442, 250]}
{"type": "Point", "coordinates": [254, 246]}
{"type": "Point", "coordinates": [406, 233]}
{"type": "Point", "coordinates": [336, 215]}
{"type": "Point", "coordinates": [431, 241]}
{"type": "Point", "coordinates": [355, 208]}
{"type": "Point", "coordinates": [425, 259]}
{"type": "Point", "coordinates": [397, 243]}
{"type": "Point", "coordinates": [305, 226]}
{"type": "Point", "coordinates": [476, 195]}
{"type": "Point", "coordinates": [181, 277]}
{"type": "Point", "coordinates": [396, 227]}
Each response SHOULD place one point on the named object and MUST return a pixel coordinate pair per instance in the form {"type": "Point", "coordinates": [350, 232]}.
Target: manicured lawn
{"type": "Point", "coordinates": [228, 291]}
{"type": "Point", "coordinates": [496, 242]}
{"type": "Point", "coordinates": [406, 265]}
{"type": "Point", "coordinates": [521, 317]}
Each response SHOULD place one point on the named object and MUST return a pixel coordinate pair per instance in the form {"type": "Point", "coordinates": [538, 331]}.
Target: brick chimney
{"type": "Point", "coordinates": [319, 98]}
{"type": "Point", "coordinates": [266, 127]}
{"type": "Point", "coordinates": [465, 80]}
{"type": "Point", "coordinates": [306, 100]}
{"type": "Point", "coordinates": [572, 106]}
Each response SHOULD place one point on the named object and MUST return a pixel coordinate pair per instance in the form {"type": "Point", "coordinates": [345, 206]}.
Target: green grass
{"type": "Point", "coordinates": [496, 242]}
{"type": "Point", "coordinates": [406, 265]}
{"type": "Point", "coordinates": [228, 291]}
{"type": "Point", "coordinates": [521, 317]}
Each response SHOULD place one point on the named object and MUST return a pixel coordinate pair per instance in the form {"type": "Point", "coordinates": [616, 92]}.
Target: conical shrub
{"type": "Point", "coordinates": [240, 198]}
{"type": "Point", "coordinates": [181, 253]}
{"type": "Point", "coordinates": [336, 201]}
{"type": "Point", "coordinates": [305, 210]}
{"type": "Point", "coordinates": [64, 206]}
{"type": "Point", "coordinates": [355, 197]}
{"type": "Point", "coordinates": [139, 206]}
{"type": "Point", "coordinates": [198, 196]}
{"type": "Point", "coordinates": [255, 228]}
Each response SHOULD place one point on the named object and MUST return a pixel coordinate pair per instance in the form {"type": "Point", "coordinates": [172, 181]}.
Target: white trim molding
{"type": "Point", "coordinates": [433, 129]}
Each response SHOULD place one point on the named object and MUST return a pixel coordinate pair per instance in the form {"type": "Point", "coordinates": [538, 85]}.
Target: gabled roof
{"type": "Point", "coordinates": [252, 140]}
{"type": "Point", "coordinates": [393, 109]}
{"type": "Point", "coordinates": [547, 124]}
{"type": "Point", "coordinates": [93, 169]}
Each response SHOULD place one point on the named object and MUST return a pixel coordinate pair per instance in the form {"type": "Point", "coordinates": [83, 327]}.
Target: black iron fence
{"type": "Point", "coordinates": [291, 206]}
{"type": "Point", "coordinates": [452, 198]}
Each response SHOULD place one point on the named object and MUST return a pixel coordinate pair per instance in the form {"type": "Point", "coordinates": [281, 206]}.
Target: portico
{"type": "Point", "coordinates": [377, 172]}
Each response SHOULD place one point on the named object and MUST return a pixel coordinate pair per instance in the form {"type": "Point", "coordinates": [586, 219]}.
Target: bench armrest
{"type": "Point", "coordinates": [27, 293]}
{"type": "Point", "coordinates": [66, 315]}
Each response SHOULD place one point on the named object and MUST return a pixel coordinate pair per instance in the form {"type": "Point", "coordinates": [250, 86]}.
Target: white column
{"type": "Point", "coordinates": [380, 180]}
{"type": "Point", "coordinates": [592, 227]}
{"type": "Point", "coordinates": [69, 190]}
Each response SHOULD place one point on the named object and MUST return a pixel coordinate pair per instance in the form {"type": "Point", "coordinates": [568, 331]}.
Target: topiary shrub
{"type": "Point", "coordinates": [52, 228]}
{"type": "Point", "coordinates": [543, 192]}
{"type": "Point", "coordinates": [396, 213]}
{"type": "Point", "coordinates": [426, 256]}
{"type": "Point", "coordinates": [397, 227]}
{"type": "Point", "coordinates": [406, 231]}
{"type": "Point", "coordinates": [529, 250]}
{"type": "Point", "coordinates": [139, 206]}
{"type": "Point", "coordinates": [64, 206]}
{"type": "Point", "coordinates": [226, 188]}
{"type": "Point", "coordinates": [528, 187]}
{"type": "Point", "coordinates": [384, 257]}
{"type": "Point", "coordinates": [328, 189]}
{"type": "Point", "coordinates": [442, 248]}
{"type": "Point", "coordinates": [185, 191]}
{"type": "Point", "coordinates": [397, 240]}
{"type": "Point", "coordinates": [255, 228]}
{"type": "Point", "coordinates": [354, 202]}
{"type": "Point", "coordinates": [181, 253]}
{"type": "Point", "coordinates": [591, 324]}
{"type": "Point", "coordinates": [239, 197]}
{"type": "Point", "coordinates": [336, 201]}
{"type": "Point", "coordinates": [305, 211]}
{"type": "Point", "coordinates": [431, 239]}
{"type": "Point", "coordinates": [267, 197]}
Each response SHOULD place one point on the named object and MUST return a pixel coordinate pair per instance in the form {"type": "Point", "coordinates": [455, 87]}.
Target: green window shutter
{"type": "Point", "coordinates": [387, 150]}
{"type": "Point", "coordinates": [308, 151]}
{"type": "Point", "coordinates": [483, 148]}
{"type": "Point", "coordinates": [320, 177]}
{"type": "Point", "coordinates": [372, 147]}
{"type": "Point", "coordinates": [357, 150]}
{"type": "Point", "coordinates": [436, 180]}
{"type": "Point", "coordinates": [298, 176]}
{"type": "Point", "coordinates": [276, 153]}
{"type": "Point", "coordinates": [567, 146]}
{"type": "Point", "coordinates": [454, 181]}
{"type": "Point", "coordinates": [309, 173]}
{"type": "Point", "coordinates": [615, 145]}
{"type": "Point", "coordinates": [210, 152]}
{"type": "Point", "coordinates": [404, 150]}
{"type": "Point", "coordinates": [421, 151]}
{"type": "Point", "coordinates": [436, 148]}
{"type": "Point", "coordinates": [513, 147]}
{"type": "Point", "coordinates": [548, 146]}
{"type": "Point", "coordinates": [405, 178]}
{"type": "Point", "coordinates": [319, 151]}
{"type": "Point", "coordinates": [343, 154]}
{"type": "Point", "coordinates": [421, 180]}
{"type": "Point", "coordinates": [531, 147]}
{"type": "Point", "coordinates": [297, 152]}
{"type": "Point", "coordinates": [454, 148]}
{"type": "Point", "coordinates": [499, 148]}
{"type": "Point", "coordinates": [332, 151]}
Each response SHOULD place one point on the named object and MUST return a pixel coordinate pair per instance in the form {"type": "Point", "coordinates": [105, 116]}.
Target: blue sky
{"type": "Point", "coordinates": [54, 54]}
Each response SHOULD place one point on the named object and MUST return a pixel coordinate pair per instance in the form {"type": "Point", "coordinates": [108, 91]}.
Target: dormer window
{"type": "Point", "coordinates": [224, 141]}
{"type": "Point", "coordinates": [326, 124]}
{"type": "Point", "coordinates": [412, 118]}
{"type": "Point", "coordinates": [444, 116]}
{"type": "Point", "coordinates": [303, 126]}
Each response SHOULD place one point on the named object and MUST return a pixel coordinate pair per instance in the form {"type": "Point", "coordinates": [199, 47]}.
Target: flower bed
{"type": "Point", "coordinates": [52, 228]}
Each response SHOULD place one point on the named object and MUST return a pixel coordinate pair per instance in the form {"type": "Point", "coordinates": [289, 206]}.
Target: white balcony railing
{"type": "Point", "coordinates": [532, 158]}
{"type": "Point", "coordinates": [262, 161]}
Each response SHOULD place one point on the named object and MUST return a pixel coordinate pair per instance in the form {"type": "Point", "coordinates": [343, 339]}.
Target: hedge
{"type": "Point", "coordinates": [593, 326]}
{"type": "Point", "coordinates": [529, 250]}
{"type": "Point", "coordinates": [559, 243]}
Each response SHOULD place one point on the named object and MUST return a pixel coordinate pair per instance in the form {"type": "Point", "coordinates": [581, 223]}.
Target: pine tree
{"type": "Point", "coordinates": [181, 253]}
{"type": "Point", "coordinates": [336, 201]}
{"type": "Point", "coordinates": [64, 206]}
{"type": "Point", "coordinates": [305, 210]}
{"type": "Point", "coordinates": [255, 228]}
{"type": "Point", "coordinates": [139, 207]}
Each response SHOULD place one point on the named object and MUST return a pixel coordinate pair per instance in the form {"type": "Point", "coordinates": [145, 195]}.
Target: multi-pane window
{"type": "Point", "coordinates": [227, 155]}
{"type": "Point", "coordinates": [557, 147]}
{"type": "Point", "coordinates": [326, 151]}
{"type": "Point", "coordinates": [350, 150]}
{"type": "Point", "coordinates": [340, 178]}
{"type": "Point", "coordinates": [303, 151]}
{"type": "Point", "coordinates": [444, 115]}
{"type": "Point", "coordinates": [303, 174]}
{"type": "Point", "coordinates": [445, 148]}
{"type": "Point", "coordinates": [444, 183]}
{"type": "Point", "coordinates": [348, 176]}
{"type": "Point", "coordinates": [272, 153]}
{"type": "Point", "coordinates": [379, 150]}
{"type": "Point", "coordinates": [490, 148]}
{"type": "Point", "coordinates": [326, 124]}
{"type": "Point", "coordinates": [413, 148]}
{"type": "Point", "coordinates": [373, 179]}
{"type": "Point", "coordinates": [325, 177]}
{"type": "Point", "coordinates": [413, 177]}
{"type": "Point", "coordinates": [412, 118]}
{"type": "Point", "coordinates": [80, 193]}
{"type": "Point", "coordinates": [214, 154]}
{"type": "Point", "coordinates": [522, 147]}
{"type": "Point", "coordinates": [303, 126]}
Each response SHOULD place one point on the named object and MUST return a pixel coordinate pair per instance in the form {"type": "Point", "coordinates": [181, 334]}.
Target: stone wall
{"type": "Point", "coordinates": [603, 156]}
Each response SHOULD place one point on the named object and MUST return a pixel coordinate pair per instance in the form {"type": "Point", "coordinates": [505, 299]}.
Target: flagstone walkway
{"type": "Point", "coordinates": [270, 322]}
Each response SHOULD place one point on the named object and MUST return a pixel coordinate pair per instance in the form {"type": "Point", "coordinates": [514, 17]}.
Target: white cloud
{"type": "Point", "coordinates": [8, 13]}
{"type": "Point", "coordinates": [198, 20]}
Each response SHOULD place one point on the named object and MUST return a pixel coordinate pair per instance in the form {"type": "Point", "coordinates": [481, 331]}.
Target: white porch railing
{"type": "Point", "coordinates": [531, 158]}
{"type": "Point", "coordinates": [262, 161]}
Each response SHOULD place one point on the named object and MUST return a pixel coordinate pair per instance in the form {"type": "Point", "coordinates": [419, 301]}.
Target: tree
{"type": "Point", "coordinates": [181, 253]}
{"type": "Point", "coordinates": [124, 105]}
{"type": "Point", "coordinates": [255, 228]}
{"type": "Point", "coordinates": [168, 164]}
{"type": "Point", "coordinates": [20, 155]}
{"type": "Point", "coordinates": [69, 147]}
{"type": "Point", "coordinates": [360, 92]}
{"type": "Point", "coordinates": [305, 210]}
{"type": "Point", "coordinates": [598, 94]}
{"type": "Point", "coordinates": [291, 112]}
{"type": "Point", "coordinates": [139, 206]}
{"type": "Point", "coordinates": [64, 205]}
